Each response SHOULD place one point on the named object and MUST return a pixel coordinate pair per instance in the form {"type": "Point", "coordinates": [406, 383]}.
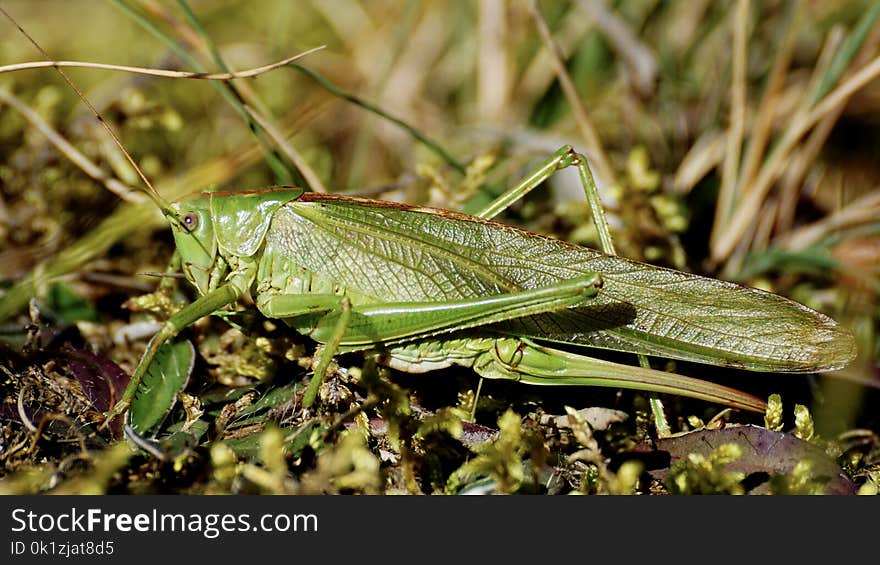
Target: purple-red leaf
{"type": "Point", "coordinates": [764, 451]}
{"type": "Point", "coordinates": [102, 380]}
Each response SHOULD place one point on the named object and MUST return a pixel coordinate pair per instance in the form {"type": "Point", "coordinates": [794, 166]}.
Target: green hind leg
{"type": "Point", "coordinates": [526, 361]}
{"type": "Point", "coordinates": [567, 157]}
{"type": "Point", "coordinates": [331, 319]}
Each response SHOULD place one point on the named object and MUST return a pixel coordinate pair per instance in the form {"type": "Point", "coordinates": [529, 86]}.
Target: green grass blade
{"type": "Point", "coordinates": [847, 52]}
{"type": "Point", "coordinates": [425, 140]}
{"type": "Point", "coordinates": [226, 89]}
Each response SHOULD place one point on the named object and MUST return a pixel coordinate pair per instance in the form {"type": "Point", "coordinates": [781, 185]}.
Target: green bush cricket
{"type": "Point", "coordinates": [427, 288]}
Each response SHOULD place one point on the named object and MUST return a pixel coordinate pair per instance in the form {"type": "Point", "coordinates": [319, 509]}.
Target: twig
{"type": "Point", "coordinates": [857, 48]}
{"type": "Point", "coordinates": [112, 184]}
{"type": "Point", "coordinates": [797, 168]}
{"type": "Point", "coordinates": [275, 134]}
{"type": "Point", "coordinates": [249, 73]}
{"type": "Point", "coordinates": [82, 97]}
{"type": "Point", "coordinates": [703, 156]}
{"type": "Point", "coordinates": [22, 413]}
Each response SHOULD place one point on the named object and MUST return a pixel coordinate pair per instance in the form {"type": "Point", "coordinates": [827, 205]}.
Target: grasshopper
{"type": "Point", "coordinates": [427, 288]}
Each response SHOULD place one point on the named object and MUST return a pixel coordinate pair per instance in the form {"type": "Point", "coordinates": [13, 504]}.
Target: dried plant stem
{"type": "Point", "coordinates": [800, 164]}
{"type": "Point", "coordinates": [773, 166]}
{"type": "Point", "coordinates": [703, 156]}
{"type": "Point", "coordinates": [450, 160]}
{"type": "Point", "coordinates": [539, 74]}
{"type": "Point", "coordinates": [595, 149]}
{"type": "Point", "coordinates": [98, 117]}
{"type": "Point", "coordinates": [863, 210]}
{"type": "Point", "coordinates": [249, 73]}
{"type": "Point", "coordinates": [797, 170]}
{"type": "Point", "coordinates": [281, 141]}
{"type": "Point", "coordinates": [729, 194]}
{"type": "Point", "coordinates": [235, 93]}
{"type": "Point", "coordinates": [117, 187]}
{"type": "Point", "coordinates": [764, 228]}
{"type": "Point", "coordinates": [760, 130]}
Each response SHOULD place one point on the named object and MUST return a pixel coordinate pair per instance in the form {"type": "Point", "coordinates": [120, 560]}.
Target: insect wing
{"type": "Point", "coordinates": [397, 252]}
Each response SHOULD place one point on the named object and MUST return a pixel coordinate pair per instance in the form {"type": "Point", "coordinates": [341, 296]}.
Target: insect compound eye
{"type": "Point", "coordinates": [190, 220]}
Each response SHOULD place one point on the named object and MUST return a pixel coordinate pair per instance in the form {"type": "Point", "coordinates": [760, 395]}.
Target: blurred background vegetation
{"type": "Point", "coordinates": [733, 139]}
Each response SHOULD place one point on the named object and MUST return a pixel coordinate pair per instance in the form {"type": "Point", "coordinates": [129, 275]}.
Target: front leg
{"type": "Point", "coordinates": [205, 305]}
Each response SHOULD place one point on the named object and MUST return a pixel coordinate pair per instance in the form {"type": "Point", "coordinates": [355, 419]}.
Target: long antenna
{"type": "Point", "coordinates": [163, 204]}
